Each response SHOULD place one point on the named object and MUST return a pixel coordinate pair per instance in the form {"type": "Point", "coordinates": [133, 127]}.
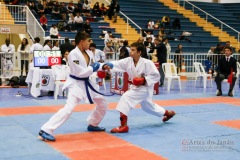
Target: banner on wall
{"type": "Point", "coordinates": [120, 83]}
{"type": "Point", "coordinates": [5, 30]}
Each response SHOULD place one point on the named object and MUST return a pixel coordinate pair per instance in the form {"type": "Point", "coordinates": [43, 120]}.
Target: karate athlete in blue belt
{"type": "Point", "coordinates": [82, 65]}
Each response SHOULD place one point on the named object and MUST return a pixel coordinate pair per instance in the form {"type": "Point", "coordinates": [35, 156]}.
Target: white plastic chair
{"type": "Point", "coordinates": [94, 78]}
{"type": "Point", "coordinates": [201, 74]}
{"type": "Point", "coordinates": [171, 74]}
{"type": "Point", "coordinates": [60, 74]}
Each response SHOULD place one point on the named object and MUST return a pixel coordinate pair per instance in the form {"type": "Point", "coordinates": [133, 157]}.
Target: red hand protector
{"type": "Point", "coordinates": [101, 74]}
{"type": "Point", "coordinates": [138, 81]}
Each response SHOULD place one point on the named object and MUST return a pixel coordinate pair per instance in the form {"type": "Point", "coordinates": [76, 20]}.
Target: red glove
{"type": "Point", "coordinates": [101, 74]}
{"type": "Point", "coordinates": [138, 81]}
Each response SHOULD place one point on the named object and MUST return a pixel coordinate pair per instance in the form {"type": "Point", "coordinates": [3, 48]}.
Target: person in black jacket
{"type": "Point", "coordinates": [227, 66]}
{"type": "Point", "coordinates": [110, 10]}
{"type": "Point", "coordinates": [161, 56]}
{"type": "Point", "coordinates": [116, 9]}
{"type": "Point", "coordinates": [87, 27]}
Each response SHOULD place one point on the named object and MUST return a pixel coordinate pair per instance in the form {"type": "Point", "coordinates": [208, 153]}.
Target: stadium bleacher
{"type": "Point", "coordinates": [226, 13]}
{"type": "Point", "coordinates": [153, 9]}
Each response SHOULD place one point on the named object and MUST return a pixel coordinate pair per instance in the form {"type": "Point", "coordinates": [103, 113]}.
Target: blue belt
{"type": "Point", "coordinates": [88, 84]}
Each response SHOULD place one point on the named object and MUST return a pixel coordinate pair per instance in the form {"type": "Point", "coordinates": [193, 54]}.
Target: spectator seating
{"type": "Point", "coordinates": [223, 12]}
{"type": "Point", "coordinates": [143, 11]}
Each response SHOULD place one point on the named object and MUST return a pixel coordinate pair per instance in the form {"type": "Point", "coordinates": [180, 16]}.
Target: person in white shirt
{"type": "Point", "coordinates": [78, 22]}
{"type": "Point", "coordinates": [165, 41]}
{"type": "Point", "coordinates": [150, 24]}
{"type": "Point", "coordinates": [47, 45]}
{"type": "Point", "coordinates": [87, 8]}
{"type": "Point", "coordinates": [107, 37]}
{"type": "Point", "coordinates": [54, 31]}
{"type": "Point", "coordinates": [55, 45]}
{"type": "Point", "coordinates": [7, 56]}
{"type": "Point", "coordinates": [98, 54]}
{"type": "Point", "coordinates": [71, 23]}
{"type": "Point", "coordinates": [36, 45]}
{"type": "Point", "coordinates": [23, 53]}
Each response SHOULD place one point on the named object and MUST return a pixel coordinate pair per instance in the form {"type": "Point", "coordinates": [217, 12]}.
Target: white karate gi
{"type": "Point", "coordinates": [77, 92]}
{"type": "Point", "coordinates": [99, 55]}
{"type": "Point", "coordinates": [7, 59]}
{"type": "Point", "coordinates": [139, 94]}
{"type": "Point", "coordinates": [36, 46]}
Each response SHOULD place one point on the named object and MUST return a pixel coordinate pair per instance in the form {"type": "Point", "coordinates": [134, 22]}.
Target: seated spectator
{"type": "Point", "coordinates": [103, 10]}
{"type": "Point", "coordinates": [40, 8]}
{"type": "Point", "coordinates": [71, 24]}
{"type": "Point", "coordinates": [63, 11]}
{"type": "Point", "coordinates": [78, 22]}
{"type": "Point", "coordinates": [80, 6]}
{"type": "Point", "coordinates": [166, 22]}
{"type": "Point", "coordinates": [62, 25]}
{"type": "Point", "coordinates": [48, 6]}
{"type": "Point", "coordinates": [32, 7]}
{"type": "Point", "coordinates": [77, 9]}
{"type": "Point", "coordinates": [96, 10]}
{"type": "Point", "coordinates": [176, 24]}
{"type": "Point", "coordinates": [184, 36]}
{"type": "Point", "coordinates": [87, 27]}
{"type": "Point", "coordinates": [54, 31]}
{"type": "Point", "coordinates": [150, 24]}
{"type": "Point", "coordinates": [70, 8]}
{"type": "Point", "coordinates": [157, 25]}
{"type": "Point", "coordinates": [161, 33]}
{"type": "Point", "coordinates": [87, 9]}
{"type": "Point", "coordinates": [43, 22]}
{"type": "Point", "coordinates": [55, 12]}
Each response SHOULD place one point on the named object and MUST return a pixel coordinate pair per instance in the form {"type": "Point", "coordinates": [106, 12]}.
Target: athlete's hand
{"type": "Point", "coordinates": [95, 66]}
{"type": "Point", "coordinates": [107, 66]}
{"type": "Point", "coordinates": [137, 81]}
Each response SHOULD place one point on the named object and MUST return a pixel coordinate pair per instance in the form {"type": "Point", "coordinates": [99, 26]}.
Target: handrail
{"type": "Point", "coordinates": [207, 14]}
{"type": "Point", "coordinates": [128, 19]}
{"type": "Point", "coordinates": [27, 16]}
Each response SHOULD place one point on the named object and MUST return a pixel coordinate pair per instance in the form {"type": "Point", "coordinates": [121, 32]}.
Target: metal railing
{"type": "Point", "coordinates": [33, 26]}
{"type": "Point", "coordinates": [128, 21]}
{"type": "Point", "coordinates": [189, 58]}
{"type": "Point", "coordinates": [22, 14]}
{"type": "Point", "coordinates": [207, 15]}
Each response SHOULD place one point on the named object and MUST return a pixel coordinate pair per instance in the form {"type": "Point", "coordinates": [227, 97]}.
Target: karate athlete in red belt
{"type": "Point", "coordinates": [144, 75]}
